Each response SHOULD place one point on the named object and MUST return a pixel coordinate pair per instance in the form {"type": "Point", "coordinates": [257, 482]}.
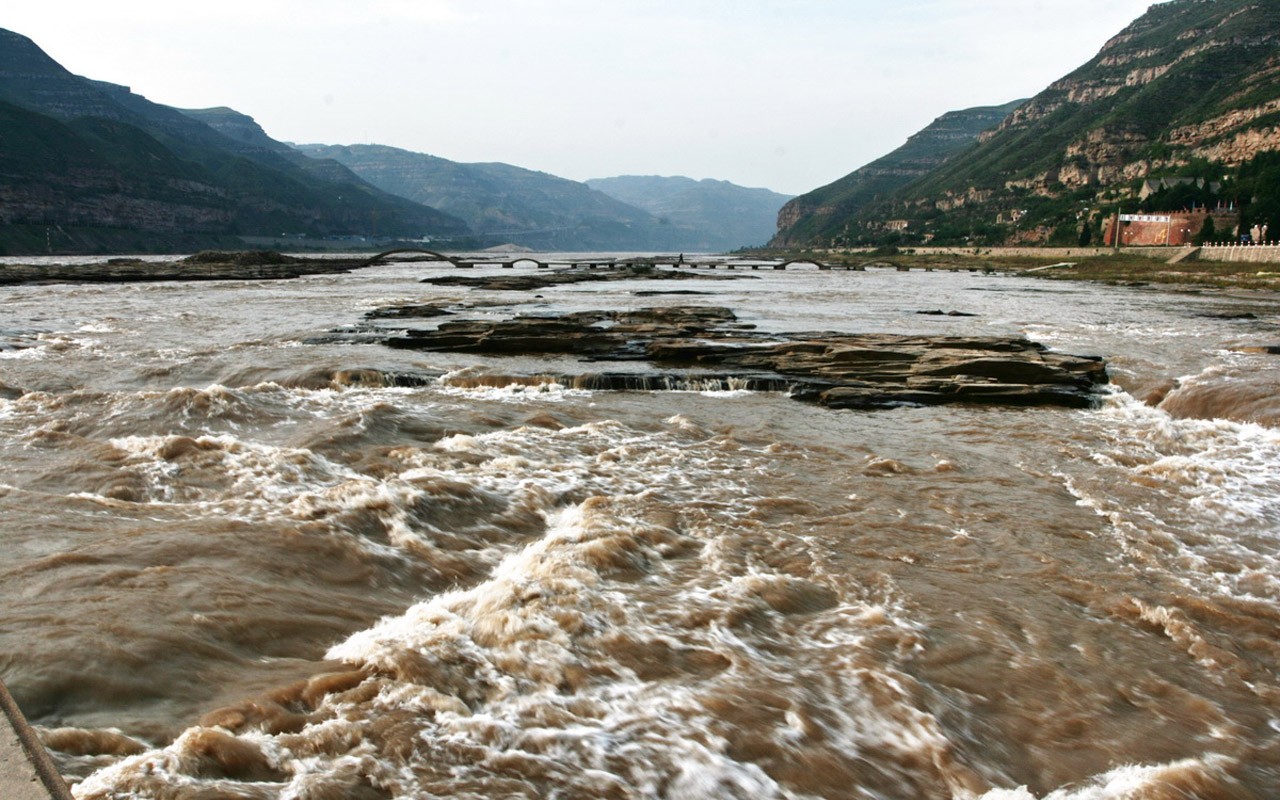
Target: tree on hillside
{"type": "Point", "coordinates": [1259, 192]}
{"type": "Point", "coordinates": [1207, 232]}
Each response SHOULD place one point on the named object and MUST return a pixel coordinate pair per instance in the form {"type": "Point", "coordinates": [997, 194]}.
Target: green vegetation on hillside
{"type": "Point", "coordinates": [826, 213]}
{"type": "Point", "coordinates": [1191, 87]}
{"type": "Point", "coordinates": [90, 165]}
{"type": "Point", "coordinates": [501, 203]}
{"type": "Point", "coordinates": [504, 203]}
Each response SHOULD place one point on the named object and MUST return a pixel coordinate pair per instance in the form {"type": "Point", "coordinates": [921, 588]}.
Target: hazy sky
{"type": "Point", "coordinates": [785, 94]}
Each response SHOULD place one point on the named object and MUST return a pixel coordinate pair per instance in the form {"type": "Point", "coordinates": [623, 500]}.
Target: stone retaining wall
{"type": "Point", "coordinates": [1241, 253]}
{"type": "Point", "coordinates": [26, 770]}
{"type": "Point", "coordinates": [1032, 252]}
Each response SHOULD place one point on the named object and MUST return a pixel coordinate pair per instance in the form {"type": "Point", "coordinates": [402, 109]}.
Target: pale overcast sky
{"type": "Point", "coordinates": [784, 94]}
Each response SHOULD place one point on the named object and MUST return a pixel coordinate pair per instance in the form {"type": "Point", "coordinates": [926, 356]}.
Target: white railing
{"type": "Point", "coordinates": [1241, 251]}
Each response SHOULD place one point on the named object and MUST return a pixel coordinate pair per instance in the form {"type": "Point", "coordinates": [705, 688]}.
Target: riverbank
{"type": "Point", "coordinates": [205, 266]}
{"type": "Point", "coordinates": [1166, 266]}
{"type": "Point", "coordinates": [1163, 265]}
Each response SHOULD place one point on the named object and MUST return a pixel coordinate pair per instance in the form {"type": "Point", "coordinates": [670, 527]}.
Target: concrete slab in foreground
{"type": "Point", "coordinates": [26, 771]}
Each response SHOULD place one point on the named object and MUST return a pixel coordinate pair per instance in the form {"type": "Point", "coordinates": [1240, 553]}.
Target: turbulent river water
{"type": "Point", "coordinates": [239, 564]}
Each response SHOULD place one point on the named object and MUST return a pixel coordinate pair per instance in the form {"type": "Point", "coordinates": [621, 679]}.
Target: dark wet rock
{"type": "Point", "coordinates": [560, 277]}
{"type": "Point", "coordinates": [937, 312]}
{"type": "Point", "coordinates": [658, 292]}
{"type": "Point", "coordinates": [15, 344]}
{"type": "Point", "coordinates": [1229, 315]}
{"type": "Point", "coordinates": [409, 312]}
{"type": "Point", "coordinates": [359, 377]}
{"type": "Point", "coordinates": [705, 347]}
{"type": "Point", "coordinates": [246, 258]}
{"type": "Point", "coordinates": [511, 283]}
{"type": "Point", "coordinates": [381, 379]}
{"type": "Point", "coordinates": [1259, 349]}
{"type": "Point", "coordinates": [205, 266]}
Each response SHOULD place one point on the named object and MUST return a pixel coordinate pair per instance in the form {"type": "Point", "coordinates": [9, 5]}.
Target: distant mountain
{"type": "Point", "coordinates": [710, 215]}
{"type": "Point", "coordinates": [825, 213]}
{"type": "Point", "coordinates": [88, 164]}
{"type": "Point", "coordinates": [504, 203]}
{"type": "Point", "coordinates": [1190, 89]}
{"type": "Point", "coordinates": [251, 140]}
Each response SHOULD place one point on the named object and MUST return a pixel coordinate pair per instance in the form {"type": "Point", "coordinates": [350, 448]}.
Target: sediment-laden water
{"type": "Point", "coordinates": [241, 564]}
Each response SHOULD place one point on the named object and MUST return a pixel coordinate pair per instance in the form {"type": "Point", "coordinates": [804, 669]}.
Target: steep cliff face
{"type": "Point", "coordinates": [1192, 85]}
{"type": "Point", "coordinates": [32, 79]}
{"type": "Point", "coordinates": [237, 127]}
{"type": "Point", "coordinates": [825, 213]}
{"type": "Point", "coordinates": [1201, 78]}
{"type": "Point", "coordinates": [100, 173]}
{"type": "Point", "coordinates": [248, 138]}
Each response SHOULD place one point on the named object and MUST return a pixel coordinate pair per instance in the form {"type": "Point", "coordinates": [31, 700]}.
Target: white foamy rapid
{"type": "Point", "coordinates": [253, 554]}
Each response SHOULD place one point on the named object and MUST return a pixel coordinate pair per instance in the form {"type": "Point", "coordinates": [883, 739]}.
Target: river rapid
{"type": "Point", "coordinates": [246, 559]}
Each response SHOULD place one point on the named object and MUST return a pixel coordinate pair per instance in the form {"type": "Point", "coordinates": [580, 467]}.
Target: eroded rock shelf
{"type": "Point", "coordinates": [700, 346]}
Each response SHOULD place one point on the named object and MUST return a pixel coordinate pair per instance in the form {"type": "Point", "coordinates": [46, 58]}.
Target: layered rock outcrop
{"type": "Point", "coordinates": [826, 213]}
{"type": "Point", "coordinates": [706, 347]}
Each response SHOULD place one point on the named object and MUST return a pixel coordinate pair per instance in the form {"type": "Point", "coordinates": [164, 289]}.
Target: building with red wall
{"type": "Point", "coordinates": [1169, 228]}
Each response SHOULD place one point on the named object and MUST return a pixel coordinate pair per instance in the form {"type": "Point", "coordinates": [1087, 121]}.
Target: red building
{"type": "Point", "coordinates": [1168, 229]}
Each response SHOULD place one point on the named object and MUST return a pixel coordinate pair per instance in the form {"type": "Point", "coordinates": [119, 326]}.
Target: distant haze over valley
{"type": "Point", "coordinates": [504, 203]}
{"type": "Point", "coordinates": [711, 215]}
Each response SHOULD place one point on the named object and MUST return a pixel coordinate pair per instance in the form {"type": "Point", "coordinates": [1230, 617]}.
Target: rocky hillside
{"type": "Point", "coordinates": [251, 140]}
{"type": "Point", "coordinates": [1190, 89]}
{"type": "Point", "coordinates": [89, 165]}
{"type": "Point", "coordinates": [503, 203]}
{"type": "Point", "coordinates": [710, 215]}
{"type": "Point", "coordinates": [824, 213]}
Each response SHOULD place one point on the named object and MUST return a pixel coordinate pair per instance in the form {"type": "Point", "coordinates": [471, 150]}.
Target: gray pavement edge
{"type": "Point", "coordinates": [26, 770]}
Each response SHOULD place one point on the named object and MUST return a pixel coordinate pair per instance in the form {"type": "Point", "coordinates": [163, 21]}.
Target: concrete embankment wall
{"type": "Point", "coordinates": [1032, 252]}
{"type": "Point", "coordinates": [1242, 253]}
{"type": "Point", "coordinates": [26, 771]}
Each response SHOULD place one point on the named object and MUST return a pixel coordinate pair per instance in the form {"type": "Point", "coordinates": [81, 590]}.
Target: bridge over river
{"type": "Point", "coordinates": [512, 261]}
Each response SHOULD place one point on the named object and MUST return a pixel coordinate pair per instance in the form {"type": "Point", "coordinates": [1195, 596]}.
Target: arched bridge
{"type": "Point", "coordinates": [380, 257]}
{"type": "Point", "coordinates": [511, 260]}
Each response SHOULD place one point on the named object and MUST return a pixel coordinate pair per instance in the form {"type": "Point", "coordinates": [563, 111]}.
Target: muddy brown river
{"type": "Point", "coordinates": [240, 564]}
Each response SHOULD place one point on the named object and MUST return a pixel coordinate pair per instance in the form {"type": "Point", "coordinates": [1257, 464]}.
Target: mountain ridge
{"type": "Point", "coordinates": [500, 202]}
{"type": "Point", "coordinates": [824, 211]}
{"type": "Point", "coordinates": [511, 204]}
{"type": "Point", "coordinates": [1189, 89]}
{"type": "Point", "coordinates": [140, 169]}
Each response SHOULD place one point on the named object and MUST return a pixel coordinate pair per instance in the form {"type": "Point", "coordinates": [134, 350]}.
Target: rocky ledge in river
{"type": "Point", "coordinates": [560, 277]}
{"type": "Point", "coordinates": [695, 346]}
{"type": "Point", "coordinates": [210, 265]}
